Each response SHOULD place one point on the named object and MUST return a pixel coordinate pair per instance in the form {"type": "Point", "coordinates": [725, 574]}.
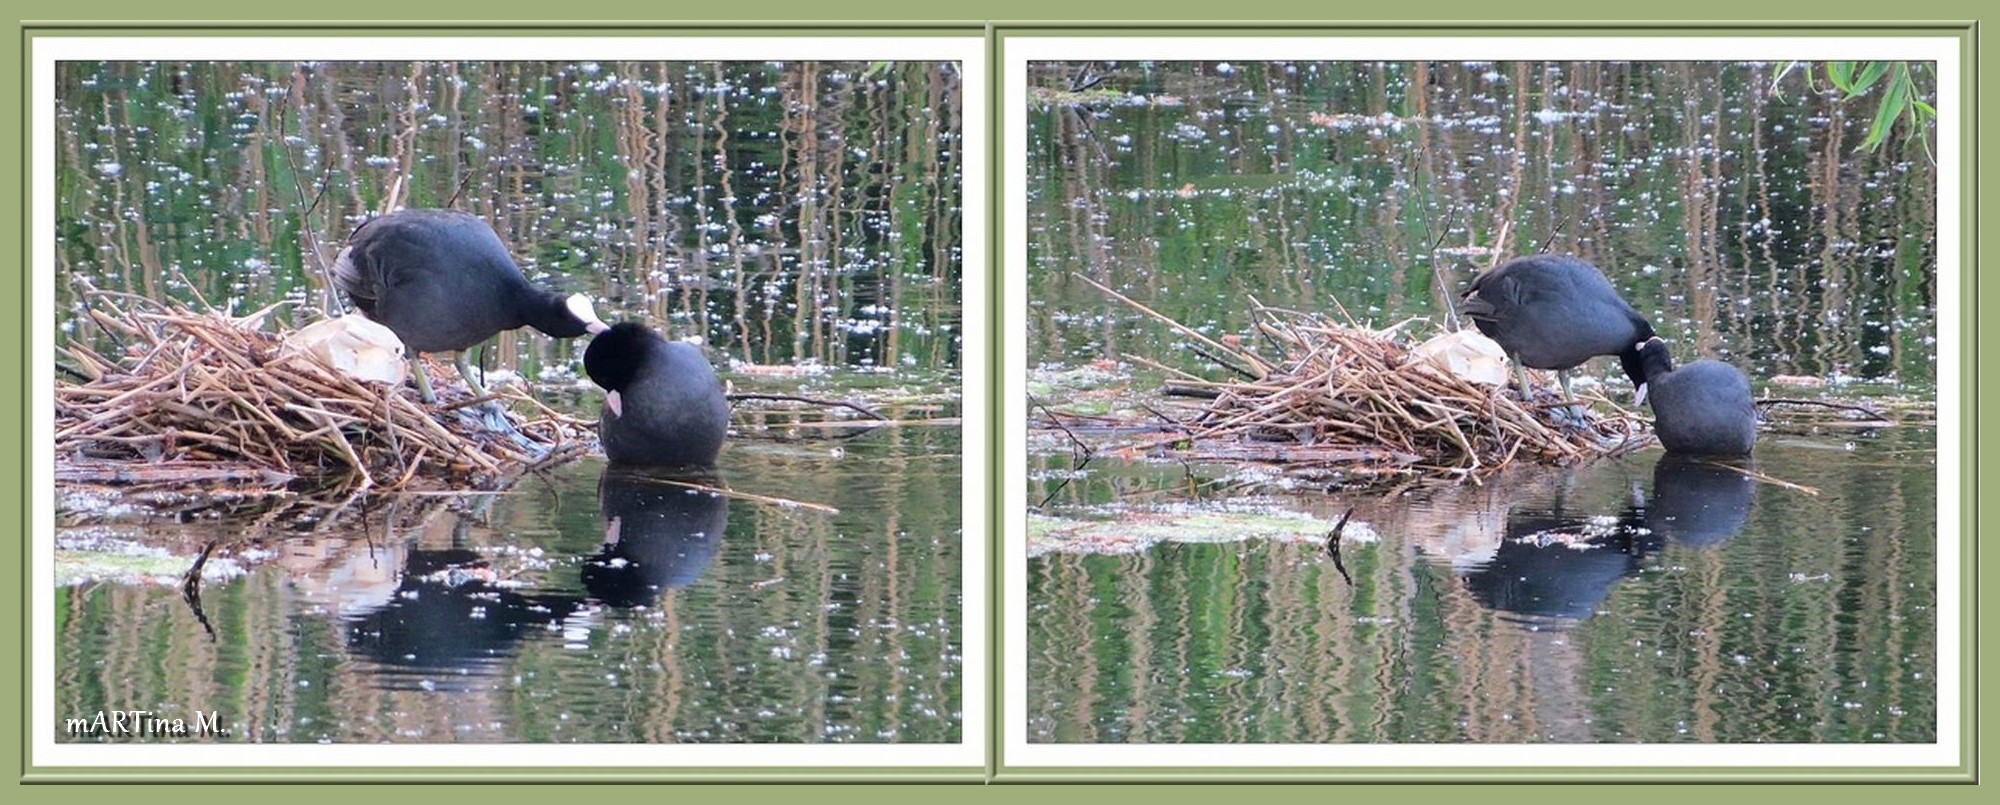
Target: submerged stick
{"type": "Point", "coordinates": [731, 493]}
{"type": "Point", "coordinates": [191, 587]}
{"type": "Point", "coordinates": [862, 409]}
{"type": "Point", "coordinates": [1333, 545]}
{"type": "Point", "coordinates": [1859, 409]}
{"type": "Point", "coordinates": [1763, 478]}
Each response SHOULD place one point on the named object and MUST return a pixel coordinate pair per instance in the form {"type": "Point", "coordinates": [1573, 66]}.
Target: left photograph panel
{"type": "Point", "coordinates": [434, 401]}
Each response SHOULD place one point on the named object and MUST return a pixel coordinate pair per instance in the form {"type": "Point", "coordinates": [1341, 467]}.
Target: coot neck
{"type": "Point", "coordinates": [548, 312]}
{"type": "Point", "coordinates": [1635, 363]}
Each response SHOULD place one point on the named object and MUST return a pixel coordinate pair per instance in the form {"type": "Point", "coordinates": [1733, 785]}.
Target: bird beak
{"type": "Point", "coordinates": [1639, 397]}
{"type": "Point", "coordinates": [617, 404]}
{"type": "Point", "coordinates": [580, 307]}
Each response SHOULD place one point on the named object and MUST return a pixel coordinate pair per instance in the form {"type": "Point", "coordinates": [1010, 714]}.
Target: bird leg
{"type": "Point", "coordinates": [466, 374]}
{"type": "Point", "coordinates": [1572, 413]}
{"type": "Point", "coordinates": [491, 415]}
{"type": "Point", "coordinates": [423, 380]}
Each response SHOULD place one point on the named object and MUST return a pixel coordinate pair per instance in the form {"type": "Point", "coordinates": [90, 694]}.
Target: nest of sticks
{"type": "Point", "coordinates": [207, 404]}
{"type": "Point", "coordinates": [1341, 399]}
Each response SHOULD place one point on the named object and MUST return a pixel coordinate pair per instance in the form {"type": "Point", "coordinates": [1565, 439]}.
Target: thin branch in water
{"type": "Point", "coordinates": [1758, 476]}
{"type": "Point", "coordinates": [1333, 545]}
{"type": "Point", "coordinates": [1080, 452]}
{"type": "Point", "coordinates": [459, 192]}
{"type": "Point", "coordinates": [1187, 467]}
{"type": "Point", "coordinates": [731, 493]}
{"type": "Point", "coordinates": [864, 410]}
{"type": "Point", "coordinates": [1859, 409]}
{"type": "Point", "coordinates": [1261, 364]}
{"type": "Point", "coordinates": [191, 587]}
{"type": "Point", "coordinates": [1084, 79]}
{"type": "Point", "coordinates": [1219, 361]}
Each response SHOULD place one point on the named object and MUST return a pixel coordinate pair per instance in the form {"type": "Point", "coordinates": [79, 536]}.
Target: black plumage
{"type": "Point", "coordinates": [1555, 312]}
{"type": "Point", "coordinates": [1702, 408]}
{"type": "Point", "coordinates": [663, 406]}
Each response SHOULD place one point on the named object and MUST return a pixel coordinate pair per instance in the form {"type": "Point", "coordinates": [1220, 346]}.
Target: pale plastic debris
{"type": "Point", "coordinates": [355, 346]}
{"type": "Point", "coordinates": [1467, 354]}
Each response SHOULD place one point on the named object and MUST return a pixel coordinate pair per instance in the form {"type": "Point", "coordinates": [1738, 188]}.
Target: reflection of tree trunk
{"type": "Point", "coordinates": [1508, 191]}
{"type": "Point", "coordinates": [1700, 201]}
{"type": "Point", "coordinates": [1083, 166]}
{"type": "Point", "coordinates": [1826, 200]}
{"type": "Point", "coordinates": [1560, 709]}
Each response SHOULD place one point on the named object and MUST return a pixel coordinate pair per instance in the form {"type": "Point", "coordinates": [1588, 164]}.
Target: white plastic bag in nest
{"type": "Point", "coordinates": [355, 346]}
{"type": "Point", "coordinates": [1467, 354]}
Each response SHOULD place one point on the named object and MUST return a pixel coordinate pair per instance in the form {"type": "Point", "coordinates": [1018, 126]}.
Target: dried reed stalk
{"type": "Point", "coordinates": [203, 399]}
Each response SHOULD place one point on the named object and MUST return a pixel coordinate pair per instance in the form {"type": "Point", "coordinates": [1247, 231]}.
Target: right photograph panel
{"type": "Point", "coordinates": [1402, 402]}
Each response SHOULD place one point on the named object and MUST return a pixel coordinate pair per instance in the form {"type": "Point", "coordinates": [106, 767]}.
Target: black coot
{"type": "Point", "coordinates": [443, 281]}
{"type": "Point", "coordinates": [1703, 408]}
{"type": "Point", "coordinates": [1554, 312]}
{"type": "Point", "coordinates": [663, 405]}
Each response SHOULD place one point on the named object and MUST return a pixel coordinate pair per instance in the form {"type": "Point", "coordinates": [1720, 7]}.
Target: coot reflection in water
{"type": "Point", "coordinates": [1699, 502]}
{"type": "Point", "coordinates": [659, 533]}
{"type": "Point", "coordinates": [1554, 564]}
{"type": "Point", "coordinates": [450, 623]}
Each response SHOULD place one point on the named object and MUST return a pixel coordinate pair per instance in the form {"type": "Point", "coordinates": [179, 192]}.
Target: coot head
{"type": "Point", "coordinates": [1701, 408]}
{"type": "Point", "coordinates": [663, 404]}
{"type": "Point", "coordinates": [1650, 359]}
{"type": "Point", "coordinates": [616, 356]}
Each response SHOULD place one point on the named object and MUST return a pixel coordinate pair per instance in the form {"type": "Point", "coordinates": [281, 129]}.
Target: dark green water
{"type": "Point", "coordinates": [1611, 602]}
{"type": "Point", "coordinates": [802, 219]}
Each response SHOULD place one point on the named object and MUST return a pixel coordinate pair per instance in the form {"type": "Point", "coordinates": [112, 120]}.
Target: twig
{"type": "Point", "coordinates": [1543, 247]}
{"type": "Point", "coordinates": [1219, 361]}
{"type": "Point", "coordinates": [191, 587]}
{"type": "Point", "coordinates": [1190, 332]}
{"type": "Point", "coordinates": [1077, 446]}
{"type": "Point", "coordinates": [1859, 409]}
{"type": "Point", "coordinates": [331, 305]}
{"type": "Point", "coordinates": [1083, 79]}
{"type": "Point", "coordinates": [1333, 545]}
{"type": "Point", "coordinates": [1758, 476]}
{"type": "Point", "coordinates": [864, 410]}
{"type": "Point", "coordinates": [731, 493]}
{"type": "Point", "coordinates": [1437, 269]}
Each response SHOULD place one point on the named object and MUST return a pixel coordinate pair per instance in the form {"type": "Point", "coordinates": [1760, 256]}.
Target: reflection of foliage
{"type": "Point", "coordinates": [1900, 98]}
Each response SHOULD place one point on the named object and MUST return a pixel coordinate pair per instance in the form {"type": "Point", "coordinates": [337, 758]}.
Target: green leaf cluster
{"type": "Point", "coordinates": [1900, 97]}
